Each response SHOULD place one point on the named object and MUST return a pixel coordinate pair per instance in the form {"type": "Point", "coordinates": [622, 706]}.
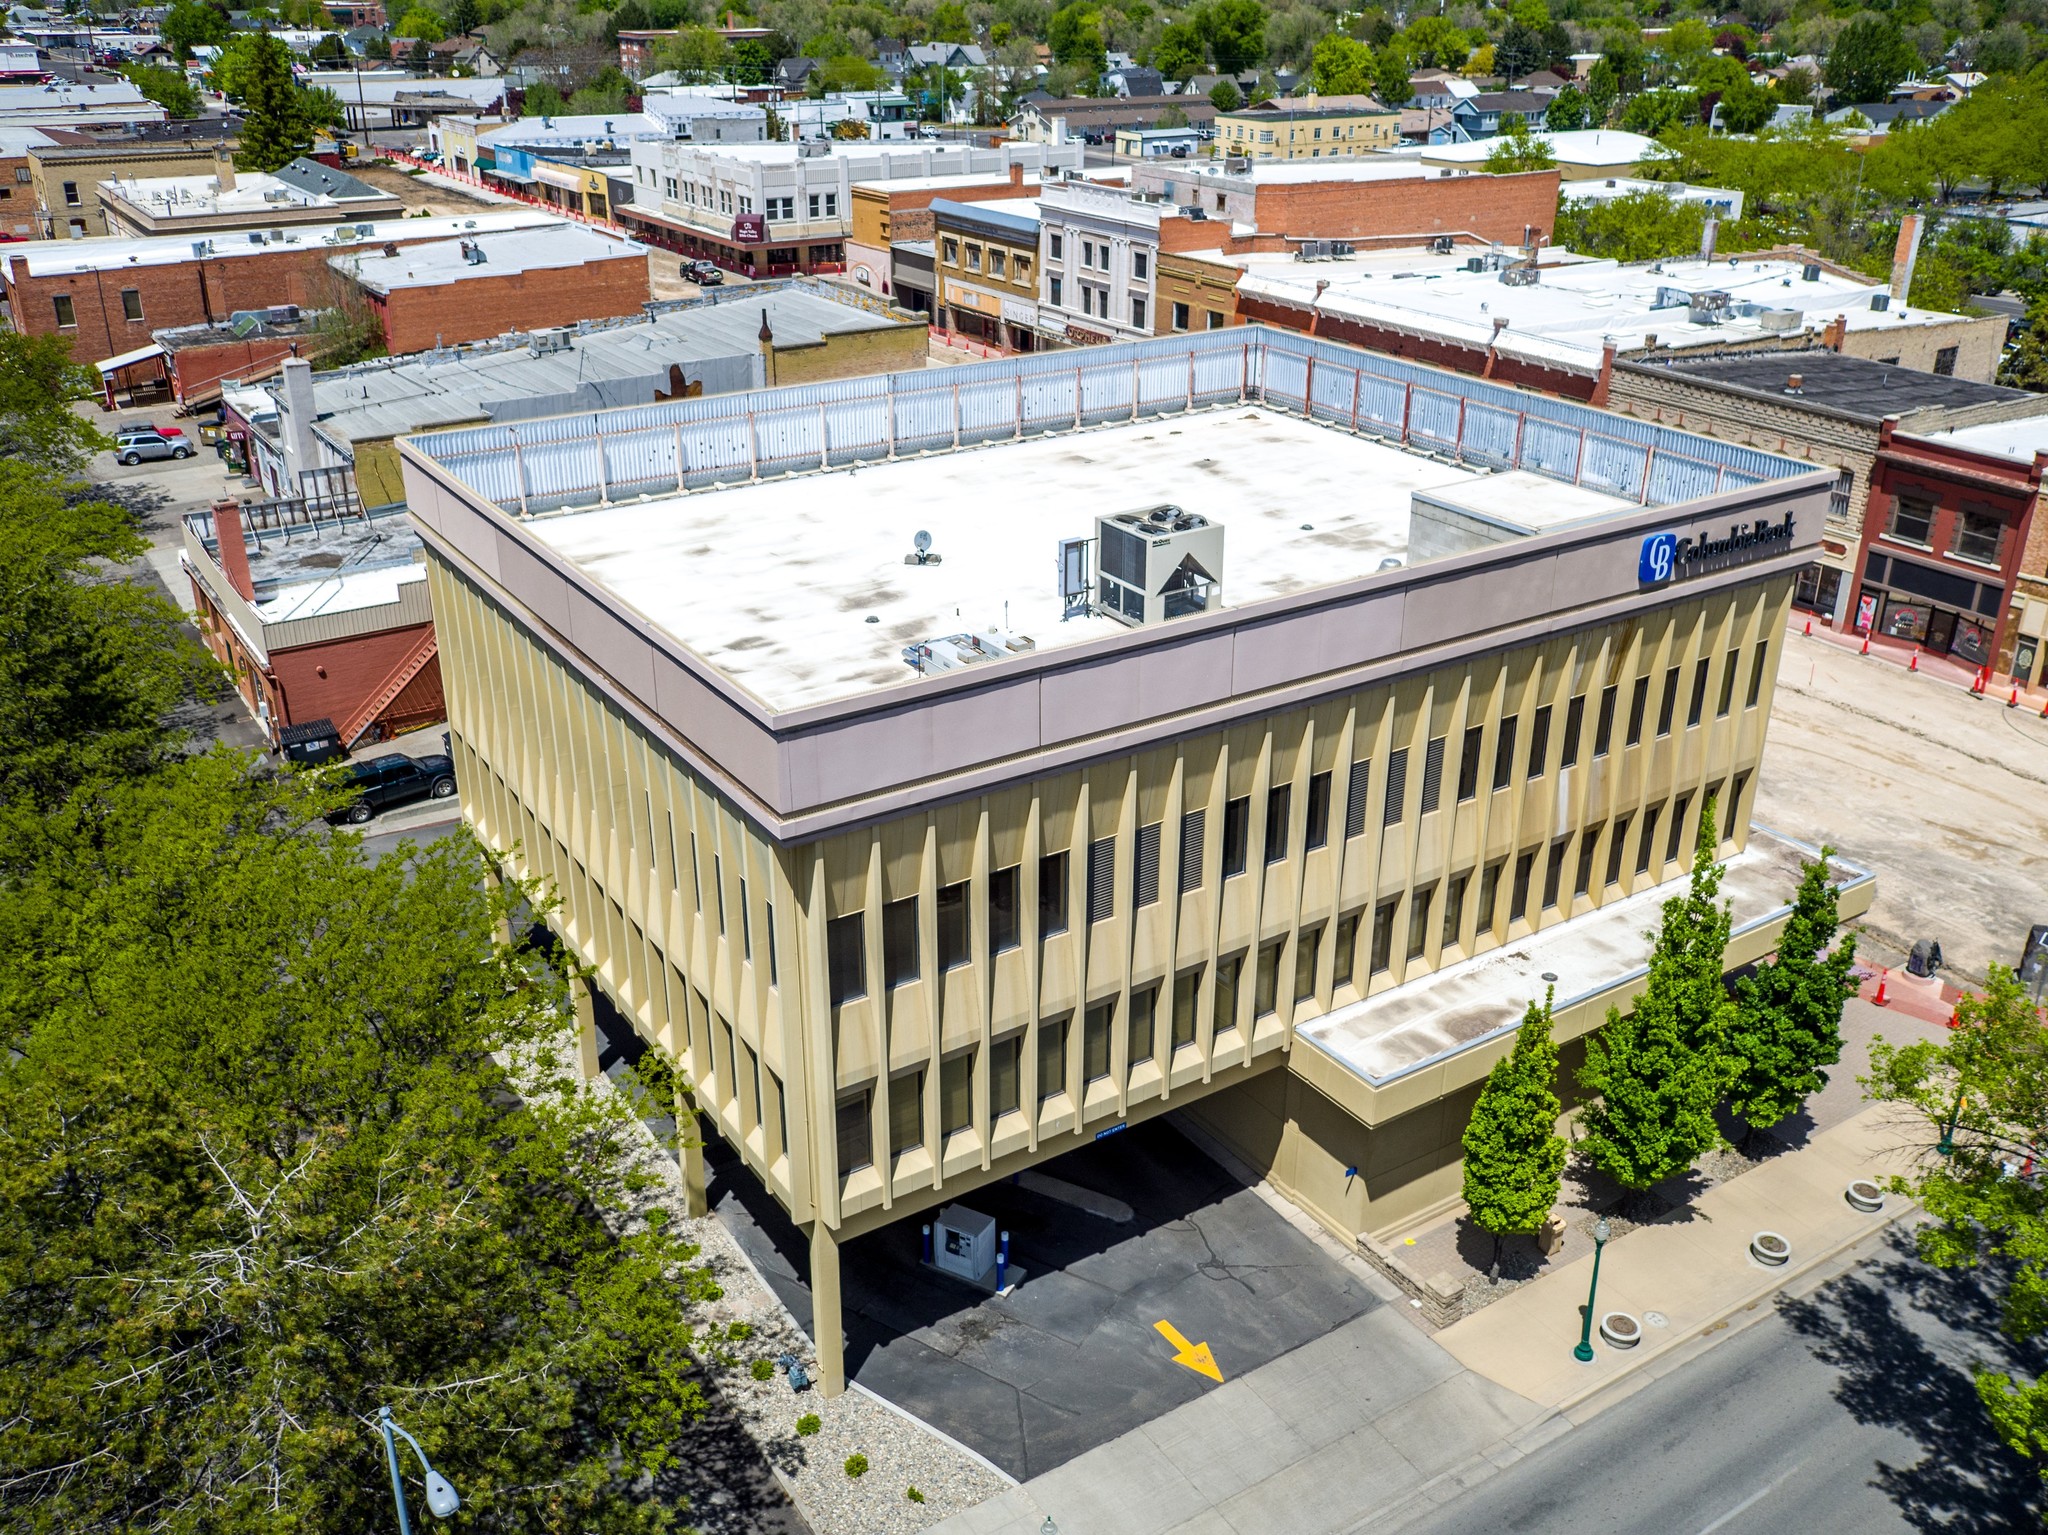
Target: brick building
{"type": "Point", "coordinates": [986, 264]}
{"type": "Point", "coordinates": [65, 178]}
{"type": "Point", "coordinates": [109, 296]}
{"type": "Point", "coordinates": [1816, 405]}
{"type": "Point", "coordinates": [444, 292]}
{"type": "Point", "coordinates": [318, 613]}
{"type": "Point", "coordinates": [887, 212]}
{"type": "Point", "coordinates": [1945, 532]}
{"type": "Point", "coordinates": [1311, 127]}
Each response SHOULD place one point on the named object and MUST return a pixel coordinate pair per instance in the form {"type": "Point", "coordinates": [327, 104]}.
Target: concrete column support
{"type": "Point", "coordinates": [690, 1148]}
{"type": "Point", "coordinates": [825, 1324]}
{"type": "Point", "coordinates": [586, 1024]}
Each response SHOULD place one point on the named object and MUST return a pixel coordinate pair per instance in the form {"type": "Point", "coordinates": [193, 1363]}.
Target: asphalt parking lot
{"type": "Point", "coordinates": [1073, 1357]}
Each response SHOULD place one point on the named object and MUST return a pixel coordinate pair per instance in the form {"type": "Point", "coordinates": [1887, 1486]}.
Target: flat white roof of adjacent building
{"type": "Point", "coordinates": [47, 258]}
{"type": "Point", "coordinates": [174, 197]}
{"type": "Point", "coordinates": [1579, 146]}
{"type": "Point", "coordinates": [1418, 1023]}
{"type": "Point", "coordinates": [437, 263]}
{"type": "Point", "coordinates": [343, 592]}
{"type": "Point", "coordinates": [2017, 440]}
{"type": "Point", "coordinates": [1359, 167]}
{"type": "Point", "coordinates": [1563, 318]}
{"type": "Point", "coordinates": [775, 583]}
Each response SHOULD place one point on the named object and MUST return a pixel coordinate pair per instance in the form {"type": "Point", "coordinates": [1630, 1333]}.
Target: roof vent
{"type": "Point", "coordinates": [1880, 302]}
{"type": "Point", "coordinates": [921, 551]}
{"type": "Point", "coordinates": [1792, 384]}
{"type": "Point", "coordinates": [1810, 272]}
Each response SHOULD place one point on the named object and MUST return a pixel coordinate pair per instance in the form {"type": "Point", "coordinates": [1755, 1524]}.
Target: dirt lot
{"type": "Point", "coordinates": [1944, 795]}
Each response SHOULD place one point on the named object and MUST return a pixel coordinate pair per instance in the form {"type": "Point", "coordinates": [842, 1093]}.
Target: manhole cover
{"type": "Point", "coordinates": [1656, 1319]}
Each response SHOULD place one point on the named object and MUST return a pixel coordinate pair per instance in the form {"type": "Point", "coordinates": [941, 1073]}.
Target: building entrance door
{"type": "Point", "coordinates": [1941, 628]}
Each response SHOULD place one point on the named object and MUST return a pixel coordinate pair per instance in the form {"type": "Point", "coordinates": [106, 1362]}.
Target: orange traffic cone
{"type": "Point", "coordinates": [1914, 664]}
{"type": "Point", "coordinates": [1809, 628]}
{"type": "Point", "coordinates": [2044, 711]}
{"type": "Point", "coordinates": [1881, 999]}
{"type": "Point", "coordinates": [1866, 646]}
{"type": "Point", "coordinates": [2014, 701]}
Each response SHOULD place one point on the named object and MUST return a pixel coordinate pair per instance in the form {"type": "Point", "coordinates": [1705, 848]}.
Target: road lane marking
{"type": "Point", "coordinates": [1750, 1502]}
{"type": "Point", "coordinates": [1195, 1356]}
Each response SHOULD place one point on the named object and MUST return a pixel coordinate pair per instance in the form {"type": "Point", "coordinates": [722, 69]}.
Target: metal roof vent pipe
{"type": "Point", "coordinates": [1792, 384]}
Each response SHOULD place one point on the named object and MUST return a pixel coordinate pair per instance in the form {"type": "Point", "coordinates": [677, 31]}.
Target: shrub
{"type": "Point", "coordinates": [913, 1494]}
{"type": "Point", "coordinates": [856, 1464]}
{"type": "Point", "coordinates": [762, 1369]}
{"type": "Point", "coordinates": [739, 1332]}
{"type": "Point", "coordinates": [808, 1425]}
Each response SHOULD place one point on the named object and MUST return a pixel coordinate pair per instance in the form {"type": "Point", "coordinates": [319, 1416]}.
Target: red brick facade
{"type": "Point", "coordinates": [1495, 208]}
{"type": "Point", "coordinates": [473, 308]}
{"type": "Point", "coordinates": [1944, 533]}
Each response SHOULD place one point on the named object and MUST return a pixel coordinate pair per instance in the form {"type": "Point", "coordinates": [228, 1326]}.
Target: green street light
{"type": "Point", "coordinates": [1584, 1352]}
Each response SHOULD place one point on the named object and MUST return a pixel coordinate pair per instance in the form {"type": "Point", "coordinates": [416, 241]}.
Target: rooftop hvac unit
{"type": "Point", "coordinates": [1443, 245]}
{"type": "Point", "coordinates": [543, 342]}
{"type": "Point", "coordinates": [1520, 276]}
{"type": "Point", "coordinates": [1709, 309]}
{"type": "Point", "coordinates": [1810, 272]}
{"type": "Point", "coordinates": [284, 314]}
{"type": "Point", "coordinates": [1880, 301]}
{"type": "Point", "coordinates": [1779, 319]}
{"type": "Point", "coordinates": [255, 237]}
{"type": "Point", "coordinates": [1237, 166]}
{"type": "Point", "coordinates": [1157, 564]}
{"type": "Point", "coordinates": [951, 652]}
{"type": "Point", "coordinates": [1672, 298]}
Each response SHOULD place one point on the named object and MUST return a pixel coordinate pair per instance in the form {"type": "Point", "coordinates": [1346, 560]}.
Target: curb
{"type": "Point", "coordinates": [1559, 1419]}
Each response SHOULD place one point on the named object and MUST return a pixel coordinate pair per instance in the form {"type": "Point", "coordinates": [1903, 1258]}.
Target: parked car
{"type": "Point", "coordinates": [383, 782]}
{"type": "Point", "coordinates": [132, 444]}
{"type": "Point", "coordinates": [703, 273]}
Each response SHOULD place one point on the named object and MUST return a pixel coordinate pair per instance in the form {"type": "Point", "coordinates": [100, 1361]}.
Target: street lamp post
{"type": "Point", "coordinates": [441, 1498]}
{"type": "Point", "coordinates": [1584, 1352]}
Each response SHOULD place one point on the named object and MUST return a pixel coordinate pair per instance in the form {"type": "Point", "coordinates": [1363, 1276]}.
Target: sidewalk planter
{"type": "Point", "coordinates": [1770, 1249]}
{"type": "Point", "coordinates": [1864, 1195]}
{"type": "Point", "coordinates": [1620, 1330]}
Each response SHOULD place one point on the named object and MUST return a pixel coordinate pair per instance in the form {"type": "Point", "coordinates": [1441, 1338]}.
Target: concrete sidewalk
{"type": "Point", "coordinates": [1377, 1421]}
{"type": "Point", "coordinates": [1692, 1268]}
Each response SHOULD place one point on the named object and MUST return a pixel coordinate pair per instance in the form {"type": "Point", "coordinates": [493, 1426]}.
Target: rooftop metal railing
{"type": "Point", "coordinates": [590, 458]}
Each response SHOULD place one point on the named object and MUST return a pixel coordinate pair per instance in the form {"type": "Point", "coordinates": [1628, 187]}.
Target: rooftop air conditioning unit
{"type": "Point", "coordinates": [1157, 564]}
{"type": "Point", "coordinates": [1880, 302]}
{"type": "Point", "coordinates": [255, 237]}
{"type": "Point", "coordinates": [1237, 166]}
{"type": "Point", "coordinates": [544, 342]}
{"type": "Point", "coordinates": [284, 314]}
{"type": "Point", "coordinates": [1443, 245]}
{"type": "Point", "coordinates": [1521, 276]}
{"type": "Point", "coordinates": [1340, 248]}
{"type": "Point", "coordinates": [1779, 319]}
{"type": "Point", "coordinates": [1711, 308]}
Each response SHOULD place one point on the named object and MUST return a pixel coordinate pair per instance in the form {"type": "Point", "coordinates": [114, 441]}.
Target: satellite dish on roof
{"type": "Point", "coordinates": [923, 541]}
{"type": "Point", "coordinates": [924, 556]}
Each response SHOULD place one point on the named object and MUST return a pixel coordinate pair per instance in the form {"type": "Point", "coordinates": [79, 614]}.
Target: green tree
{"type": "Point", "coordinates": [1436, 43]}
{"type": "Point", "coordinates": [1225, 96]}
{"type": "Point", "coordinates": [38, 383]}
{"type": "Point", "coordinates": [1981, 1095]}
{"type": "Point", "coordinates": [1391, 75]}
{"type": "Point", "coordinates": [1075, 36]}
{"type": "Point", "coordinates": [262, 1170]}
{"type": "Point", "coordinates": [168, 88]}
{"type": "Point", "coordinates": [1687, 44]}
{"type": "Point", "coordinates": [696, 53]}
{"type": "Point", "coordinates": [1654, 1077]}
{"type": "Point", "coordinates": [1654, 113]}
{"type": "Point", "coordinates": [1745, 106]}
{"type": "Point", "coordinates": [605, 91]}
{"type": "Point", "coordinates": [1603, 89]}
{"type": "Point", "coordinates": [1180, 53]}
{"type": "Point", "coordinates": [2026, 364]}
{"type": "Point", "coordinates": [1514, 1157]}
{"type": "Point", "coordinates": [1788, 1021]}
{"type": "Point", "coordinates": [949, 24]}
{"type": "Point", "coordinates": [1235, 31]}
{"type": "Point", "coordinates": [464, 17]}
{"type": "Point", "coordinates": [89, 664]}
{"type": "Point", "coordinates": [192, 24]}
{"type": "Point", "coordinates": [848, 72]}
{"type": "Point", "coordinates": [1568, 110]}
{"type": "Point", "coordinates": [1868, 59]}
{"type": "Point", "coordinates": [421, 25]}
{"type": "Point", "coordinates": [275, 130]}
{"type": "Point", "coordinates": [1342, 66]}
{"type": "Point", "coordinates": [1517, 149]}
{"type": "Point", "coordinates": [543, 100]}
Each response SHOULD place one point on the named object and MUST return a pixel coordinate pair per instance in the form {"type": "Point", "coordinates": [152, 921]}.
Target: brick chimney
{"type": "Point", "coordinates": [231, 547]}
{"type": "Point", "coordinates": [224, 167]}
{"type": "Point", "coordinates": [1603, 385]}
{"type": "Point", "coordinates": [1016, 175]}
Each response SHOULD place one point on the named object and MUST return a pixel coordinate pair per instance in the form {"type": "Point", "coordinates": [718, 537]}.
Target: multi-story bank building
{"type": "Point", "coordinates": [947, 768]}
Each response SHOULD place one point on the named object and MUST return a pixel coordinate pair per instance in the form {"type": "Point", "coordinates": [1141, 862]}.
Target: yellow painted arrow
{"type": "Point", "coordinates": [1195, 1356]}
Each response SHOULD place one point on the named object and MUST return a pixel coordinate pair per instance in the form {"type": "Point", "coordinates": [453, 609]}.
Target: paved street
{"type": "Point", "coordinates": [1848, 1411]}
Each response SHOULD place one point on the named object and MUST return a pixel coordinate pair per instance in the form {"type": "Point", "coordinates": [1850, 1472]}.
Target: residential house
{"type": "Point", "coordinates": [1492, 112]}
{"type": "Point", "coordinates": [1308, 128]}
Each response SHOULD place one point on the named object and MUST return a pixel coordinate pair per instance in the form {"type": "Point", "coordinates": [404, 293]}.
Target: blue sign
{"type": "Point", "coordinates": [1666, 556]}
{"type": "Point", "coordinates": [1659, 561]}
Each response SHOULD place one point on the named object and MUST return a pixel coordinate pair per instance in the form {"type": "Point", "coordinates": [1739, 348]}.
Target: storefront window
{"type": "Point", "coordinates": [1912, 521]}
{"type": "Point", "coordinates": [1819, 588]}
{"type": "Point", "coordinates": [2025, 652]}
{"type": "Point", "coordinates": [1905, 620]}
{"type": "Point", "coordinates": [1972, 642]}
{"type": "Point", "coordinates": [1979, 536]}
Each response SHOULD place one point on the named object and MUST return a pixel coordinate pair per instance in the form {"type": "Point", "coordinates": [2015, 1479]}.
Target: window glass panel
{"type": "Point", "coordinates": [1646, 847]}
{"type": "Point", "coordinates": [1138, 1037]}
{"type": "Point", "coordinates": [899, 942]}
{"type": "Point", "coordinates": [1005, 1076]}
{"type": "Point", "coordinates": [1504, 753]}
{"type": "Point", "coordinates": [1911, 521]}
{"type": "Point", "coordinates": [1279, 800]}
{"type": "Point", "coordinates": [1603, 733]}
{"type": "Point", "coordinates": [856, 1145]}
{"type": "Point", "coordinates": [1308, 951]}
{"type": "Point", "coordinates": [1454, 907]}
{"type": "Point", "coordinates": [1317, 833]}
{"type": "Point", "coordinates": [1052, 894]}
{"type": "Point", "coordinates": [1383, 935]}
{"type": "Point", "coordinates": [1005, 913]}
{"type": "Point", "coordinates": [955, 935]}
{"type": "Point", "coordinates": [1589, 844]}
{"type": "Point", "coordinates": [1978, 536]}
{"type": "Point", "coordinates": [1574, 722]}
{"type": "Point", "coordinates": [1237, 827]}
{"type": "Point", "coordinates": [1418, 921]}
{"type": "Point", "coordinates": [1728, 670]}
{"type": "Point", "coordinates": [906, 1112]}
{"type": "Point", "coordinates": [1539, 742]}
{"type": "Point", "coordinates": [1677, 839]}
{"type": "Point", "coordinates": [1756, 674]}
{"type": "Point", "coordinates": [1267, 997]}
{"type": "Point", "coordinates": [1553, 873]}
{"type": "Point", "coordinates": [1696, 709]}
{"type": "Point", "coordinates": [1489, 894]}
{"type": "Point", "coordinates": [1187, 996]}
{"type": "Point", "coordinates": [1668, 706]}
{"type": "Point", "coordinates": [1229, 973]}
{"type": "Point", "coordinates": [1346, 958]}
{"type": "Point", "coordinates": [1638, 702]}
{"type": "Point", "coordinates": [1468, 763]}
{"type": "Point", "coordinates": [1616, 850]}
{"type": "Point", "coordinates": [1095, 1041]}
{"type": "Point", "coordinates": [846, 958]}
{"type": "Point", "coordinates": [956, 1093]}
{"type": "Point", "coordinates": [1052, 1058]}
{"type": "Point", "coordinates": [1518, 897]}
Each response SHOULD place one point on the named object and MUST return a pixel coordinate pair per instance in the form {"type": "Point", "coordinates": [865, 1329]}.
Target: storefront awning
{"type": "Point", "coordinates": [114, 365]}
{"type": "Point", "coordinates": [498, 173]}
{"type": "Point", "coordinates": [556, 176]}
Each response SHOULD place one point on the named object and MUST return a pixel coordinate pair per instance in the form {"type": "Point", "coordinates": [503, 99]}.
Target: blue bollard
{"type": "Point", "coordinates": [1002, 1258]}
{"type": "Point", "coordinates": [927, 1242]}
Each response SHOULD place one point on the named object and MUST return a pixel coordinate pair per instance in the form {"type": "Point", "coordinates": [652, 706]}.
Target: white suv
{"type": "Point", "coordinates": [132, 444]}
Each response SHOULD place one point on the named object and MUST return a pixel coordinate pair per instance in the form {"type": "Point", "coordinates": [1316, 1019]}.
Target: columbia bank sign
{"type": "Point", "coordinates": [1667, 555]}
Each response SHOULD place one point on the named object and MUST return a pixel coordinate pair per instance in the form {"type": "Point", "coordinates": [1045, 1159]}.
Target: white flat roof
{"type": "Point", "coordinates": [200, 196]}
{"type": "Point", "coordinates": [2017, 440]}
{"type": "Point", "coordinates": [377, 587]}
{"type": "Point", "coordinates": [46, 258]}
{"type": "Point", "coordinates": [774, 583]}
{"type": "Point", "coordinates": [439, 262]}
{"type": "Point", "coordinates": [1360, 167]}
{"type": "Point", "coordinates": [1579, 146]}
{"type": "Point", "coordinates": [1563, 317]}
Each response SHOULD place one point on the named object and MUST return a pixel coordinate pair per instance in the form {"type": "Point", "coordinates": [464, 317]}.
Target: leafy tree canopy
{"type": "Point", "coordinates": [1868, 59]}
{"type": "Point", "coordinates": [191, 24]}
{"type": "Point", "coordinates": [1788, 1021]}
{"type": "Point", "coordinates": [38, 383]}
{"type": "Point", "coordinates": [1514, 1157]}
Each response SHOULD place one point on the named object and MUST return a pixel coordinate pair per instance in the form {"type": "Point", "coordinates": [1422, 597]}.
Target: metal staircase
{"type": "Point", "coordinates": [381, 696]}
